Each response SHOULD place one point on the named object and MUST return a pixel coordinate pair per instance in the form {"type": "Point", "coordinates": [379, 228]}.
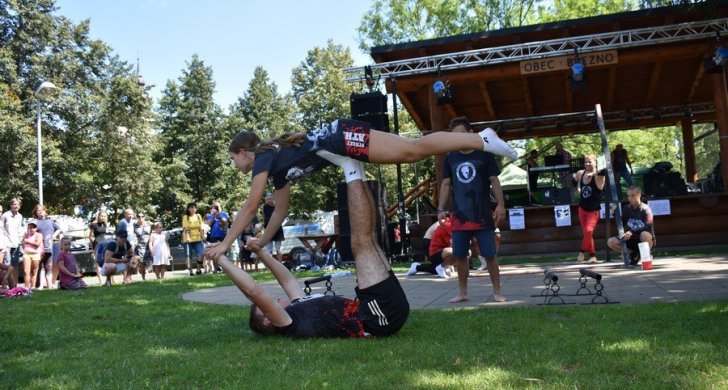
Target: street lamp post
{"type": "Point", "coordinates": [45, 89]}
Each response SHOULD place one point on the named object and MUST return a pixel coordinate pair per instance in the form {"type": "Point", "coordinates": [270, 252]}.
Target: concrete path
{"type": "Point", "coordinates": [672, 279]}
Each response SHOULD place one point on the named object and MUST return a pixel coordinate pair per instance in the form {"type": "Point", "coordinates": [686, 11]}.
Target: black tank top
{"type": "Point", "coordinates": [591, 195]}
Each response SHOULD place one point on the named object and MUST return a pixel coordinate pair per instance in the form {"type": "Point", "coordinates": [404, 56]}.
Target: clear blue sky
{"type": "Point", "coordinates": [230, 36]}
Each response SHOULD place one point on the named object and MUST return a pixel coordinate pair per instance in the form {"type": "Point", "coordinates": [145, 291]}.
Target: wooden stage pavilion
{"type": "Point", "coordinates": [647, 68]}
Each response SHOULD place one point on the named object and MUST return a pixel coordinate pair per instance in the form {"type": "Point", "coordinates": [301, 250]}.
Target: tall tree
{"type": "Point", "coordinates": [263, 111]}
{"type": "Point", "coordinates": [190, 126]}
{"type": "Point", "coordinates": [574, 9]}
{"type": "Point", "coordinates": [322, 96]}
{"type": "Point", "coordinates": [37, 45]}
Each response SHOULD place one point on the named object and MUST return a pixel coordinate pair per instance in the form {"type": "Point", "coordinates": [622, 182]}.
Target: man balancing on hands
{"type": "Point", "coordinates": [380, 308]}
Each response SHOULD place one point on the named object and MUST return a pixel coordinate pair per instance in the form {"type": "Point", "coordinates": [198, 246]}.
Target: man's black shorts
{"type": "Point", "coordinates": [634, 241]}
{"type": "Point", "coordinates": [383, 307]}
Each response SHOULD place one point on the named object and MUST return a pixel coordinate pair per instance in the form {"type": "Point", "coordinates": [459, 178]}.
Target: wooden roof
{"type": "Point", "coordinates": [641, 86]}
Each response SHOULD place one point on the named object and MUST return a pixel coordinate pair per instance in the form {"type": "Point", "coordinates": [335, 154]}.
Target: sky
{"type": "Point", "coordinates": [232, 37]}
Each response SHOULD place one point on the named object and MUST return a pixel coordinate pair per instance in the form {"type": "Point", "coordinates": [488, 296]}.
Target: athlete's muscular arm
{"type": "Point", "coordinates": [282, 274]}
{"type": "Point", "coordinates": [282, 197]}
{"type": "Point", "coordinates": [248, 286]}
{"type": "Point", "coordinates": [245, 215]}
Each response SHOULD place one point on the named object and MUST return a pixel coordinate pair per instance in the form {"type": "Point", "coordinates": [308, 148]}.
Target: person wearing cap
{"type": "Point", "coordinates": [268, 209]}
{"type": "Point", "coordinates": [32, 250]}
{"type": "Point", "coordinates": [119, 258]}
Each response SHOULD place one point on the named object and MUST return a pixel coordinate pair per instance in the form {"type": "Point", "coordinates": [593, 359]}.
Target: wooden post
{"type": "Point", "coordinates": [436, 124]}
{"type": "Point", "coordinates": [721, 117]}
{"type": "Point", "coordinates": [691, 175]}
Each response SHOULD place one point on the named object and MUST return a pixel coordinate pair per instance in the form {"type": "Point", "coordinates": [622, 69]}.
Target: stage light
{"type": "Point", "coordinates": [578, 75]}
{"type": "Point", "coordinates": [577, 72]}
{"type": "Point", "coordinates": [438, 87]}
{"type": "Point", "coordinates": [721, 56]}
{"type": "Point", "coordinates": [715, 64]}
{"type": "Point", "coordinates": [443, 92]}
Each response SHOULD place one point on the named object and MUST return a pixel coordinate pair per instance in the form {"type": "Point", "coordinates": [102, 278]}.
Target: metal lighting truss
{"type": "Point", "coordinates": [544, 49]}
{"type": "Point", "coordinates": [586, 118]}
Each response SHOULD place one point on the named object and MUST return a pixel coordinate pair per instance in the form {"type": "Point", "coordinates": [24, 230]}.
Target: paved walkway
{"type": "Point", "coordinates": [674, 279]}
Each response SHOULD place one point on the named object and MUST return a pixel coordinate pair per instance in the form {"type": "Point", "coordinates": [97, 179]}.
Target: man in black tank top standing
{"type": "Point", "coordinates": [591, 184]}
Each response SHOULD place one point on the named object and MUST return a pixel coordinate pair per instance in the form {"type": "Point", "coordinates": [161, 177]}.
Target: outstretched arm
{"type": "Point", "coordinates": [280, 212]}
{"type": "Point", "coordinates": [250, 288]}
{"type": "Point", "coordinates": [282, 274]}
{"type": "Point", "coordinates": [245, 215]}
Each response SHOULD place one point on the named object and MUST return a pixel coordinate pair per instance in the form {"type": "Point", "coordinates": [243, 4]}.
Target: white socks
{"type": "Point", "coordinates": [493, 144]}
{"type": "Point", "coordinates": [353, 169]}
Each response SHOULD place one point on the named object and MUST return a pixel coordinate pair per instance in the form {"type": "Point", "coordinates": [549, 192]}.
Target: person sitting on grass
{"type": "Point", "coordinates": [381, 307]}
{"type": "Point", "coordinates": [118, 258]}
{"type": "Point", "coordinates": [638, 226]}
{"type": "Point", "coordinates": [68, 273]}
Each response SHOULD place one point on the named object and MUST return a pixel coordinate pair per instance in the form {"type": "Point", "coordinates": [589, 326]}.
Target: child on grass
{"type": "Point", "coordinates": [160, 250]}
{"type": "Point", "coordinates": [71, 279]}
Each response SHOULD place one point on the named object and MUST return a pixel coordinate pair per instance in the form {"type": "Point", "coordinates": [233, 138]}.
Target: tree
{"type": "Point", "coordinates": [322, 96]}
{"type": "Point", "coordinates": [398, 21]}
{"type": "Point", "coordinates": [192, 135]}
{"type": "Point", "coordinates": [575, 9]}
{"type": "Point", "coordinates": [37, 45]}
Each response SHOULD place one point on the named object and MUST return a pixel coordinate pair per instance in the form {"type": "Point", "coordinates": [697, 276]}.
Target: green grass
{"type": "Point", "coordinates": [144, 335]}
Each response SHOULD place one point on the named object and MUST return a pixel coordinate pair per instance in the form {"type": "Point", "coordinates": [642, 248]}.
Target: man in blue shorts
{"type": "Point", "coordinates": [470, 173]}
{"type": "Point", "coordinates": [380, 308]}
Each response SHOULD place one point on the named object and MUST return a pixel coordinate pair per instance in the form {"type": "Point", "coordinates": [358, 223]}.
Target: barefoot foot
{"type": "Point", "coordinates": [459, 298]}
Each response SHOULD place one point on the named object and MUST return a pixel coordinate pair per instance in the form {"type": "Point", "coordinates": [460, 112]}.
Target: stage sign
{"type": "Point", "coordinates": [553, 64]}
{"type": "Point", "coordinates": [516, 219]}
{"type": "Point", "coordinates": [660, 206]}
{"type": "Point", "coordinates": [562, 214]}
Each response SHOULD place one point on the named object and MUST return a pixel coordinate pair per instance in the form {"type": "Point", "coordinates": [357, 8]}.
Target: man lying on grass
{"type": "Point", "coordinates": [380, 309]}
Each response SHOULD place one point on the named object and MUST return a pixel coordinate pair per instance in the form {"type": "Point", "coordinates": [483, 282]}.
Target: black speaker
{"type": "Point", "coordinates": [371, 108]}
{"type": "Point", "coordinates": [380, 196]}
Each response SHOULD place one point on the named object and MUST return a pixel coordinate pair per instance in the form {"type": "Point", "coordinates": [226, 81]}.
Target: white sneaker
{"type": "Point", "coordinates": [493, 144]}
{"type": "Point", "coordinates": [441, 272]}
{"type": "Point", "coordinates": [483, 265]}
{"type": "Point", "coordinates": [413, 269]}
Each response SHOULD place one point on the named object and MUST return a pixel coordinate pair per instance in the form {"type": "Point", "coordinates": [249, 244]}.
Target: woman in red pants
{"type": "Point", "coordinates": [591, 184]}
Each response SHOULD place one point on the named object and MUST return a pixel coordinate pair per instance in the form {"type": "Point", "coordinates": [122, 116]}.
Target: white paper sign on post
{"type": "Point", "coordinates": [603, 213]}
{"type": "Point", "coordinates": [562, 214]}
{"type": "Point", "coordinates": [660, 206]}
{"type": "Point", "coordinates": [516, 219]}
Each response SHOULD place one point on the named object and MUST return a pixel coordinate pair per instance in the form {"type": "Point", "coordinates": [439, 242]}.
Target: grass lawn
{"type": "Point", "coordinates": [144, 335]}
